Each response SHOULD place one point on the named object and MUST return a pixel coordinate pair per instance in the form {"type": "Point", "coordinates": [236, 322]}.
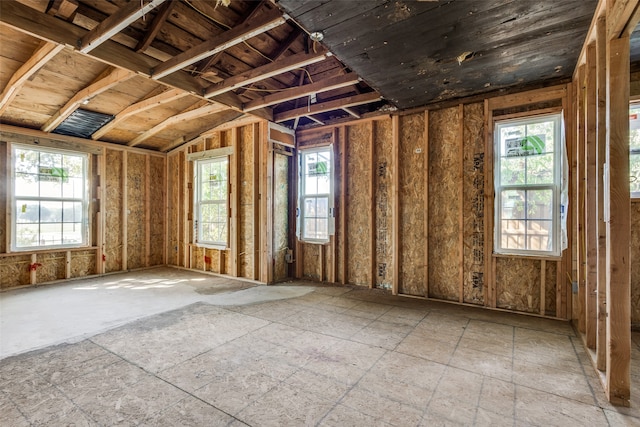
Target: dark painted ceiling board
{"type": "Point", "coordinates": [326, 16]}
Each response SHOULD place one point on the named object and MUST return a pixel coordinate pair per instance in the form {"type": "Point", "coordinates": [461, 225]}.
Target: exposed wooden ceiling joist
{"type": "Point", "coordinates": [264, 72]}
{"type": "Point", "coordinates": [115, 23]}
{"type": "Point", "coordinates": [622, 17]}
{"type": "Point", "coordinates": [165, 97]}
{"type": "Point", "coordinates": [63, 8]}
{"type": "Point", "coordinates": [337, 104]}
{"type": "Point", "coordinates": [302, 91]}
{"type": "Point", "coordinates": [40, 57]}
{"type": "Point", "coordinates": [178, 118]}
{"type": "Point", "coordinates": [238, 34]}
{"type": "Point", "coordinates": [153, 30]}
{"type": "Point", "coordinates": [351, 112]}
{"type": "Point", "coordinates": [108, 79]}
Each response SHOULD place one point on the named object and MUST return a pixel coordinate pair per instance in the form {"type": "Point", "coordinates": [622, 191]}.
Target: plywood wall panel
{"type": "Point", "coordinates": [383, 169]}
{"type": "Point", "coordinates": [412, 194]}
{"type": "Point", "coordinates": [310, 258]}
{"type": "Point", "coordinates": [473, 206]}
{"type": "Point", "coordinates": [635, 263]}
{"type": "Point", "coordinates": [358, 255]}
{"type": "Point", "coordinates": [83, 263]}
{"type": "Point", "coordinates": [246, 246]}
{"type": "Point", "coordinates": [518, 284]}
{"type": "Point", "coordinates": [550, 292]}
{"type": "Point", "coordinates": [113, 217]}
{"type": "Point", "coordinates": [444, 204]}
{"type": "Point", "coordinates": [280, 217]}
{"type": "Point", "coordinates": [136, 212]}
{"type": "Point", "coordinates": [174, 209]}
{"type": "Point", "coordinates": [14, 271]}
{"type": "Point", "coordinates": [53, 266]}
{"type": "Point", "coordinates": [157, 210]}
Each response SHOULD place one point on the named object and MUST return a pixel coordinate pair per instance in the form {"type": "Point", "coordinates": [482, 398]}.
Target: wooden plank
{"type": "Point", "coordinates": [40, 57]}
{"type": "Point", "coordinates": [602, 129]}
{"type": "Point", "coordinates": [461, 192]}
{"type": "Point", "coordinates": [106, 80]}
{"type": "Point", "coordinates": [234, 201]}
{"type": "Point", "coordinates": [257, 228]}
{"type": "Point", "coordinates": [344, 200]}
{"type": "Point", "coordinates": [425, 235]}
{"type": "Point", "coordinates": [63, 8]}
{"type": "Point", "coordinates": [67, 272]}
{"type": "Point", "coordinates": [590, 210]}
{"type": "Point", "coordinates": [33, 274]}
{"type": "Point", "coordinates": [102, 199]}
{"type": "Point", "coordinates": [529, 97]}
{"type": "Point", "coordinates": [334, 246]}
{"type": "Point", "coordinates": [618, 285]}
{"type": "Point", "coordinates": [489, 261]}
{"type": "Point", "coordinates": [147, 211]}
{"type": "Point", "coordinates": [221, 119]}
{"type": "Point", "coordinates": [125, 211]}
{"type": "Point", "coordinates": [116, 22]}
{"type": "Point", "coordinates": [395, 207]}
{"type": "Point", "coordinates": [579, 205]}
{"type": "Point", "coordinates": [264, 72]}
{"type": "Point", "coordinates": [221, 42]}
{"type": "Point", "coordinates": [165, 97]}
{"type": "Point", "coordinates": [543, 286]}
{"type": "Point", "coordinates": [322, 107]}
{"type": "Point", "coordinates": [178, 118]}
{"type": "Point", "coordinates": [154, 29]}
{"type": "Point", "coordinates": [165, 185]}
{"type": "Point", "coordinates": [372, 217]}
{"type": "Point", "coordinates": [622, 17]}
{"type": "Point", "coordinates": [320, 86]}
{"type": "Point", "coordinates": [568, 109]}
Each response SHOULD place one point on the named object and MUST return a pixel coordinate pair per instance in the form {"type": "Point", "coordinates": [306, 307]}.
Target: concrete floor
{"type": "Point", "coordinates": [167, 347]}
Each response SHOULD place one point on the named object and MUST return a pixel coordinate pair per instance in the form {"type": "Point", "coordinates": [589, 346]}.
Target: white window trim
{"type": "Point", "coordinates": [12, 198]}
{"type": "Point", "coordinates": [198, 158]}
{"type": "Point", "coordinates": [301, 197]}
{"type": "Point", "coordinates": [557, 187]}
{"type": "Point", "coordinates": [634, 194]}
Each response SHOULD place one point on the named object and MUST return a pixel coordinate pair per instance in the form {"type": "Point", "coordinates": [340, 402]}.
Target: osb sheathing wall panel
{"type": "Point", "coordinates": [384, 166]}
{"type": "Point", "coordinates": [245, 203]}
{"type": "Point", "coordinates": [473, 207]}
{"type": "Point", "coordinates": [113, 217]}
{"type": "Point", "coordinates": [14, 271]}
{"type": "Point", "coordinates": [54, 266]}
{"type": "Point", "coordinates": [174, 185]}
{"type": "Point", "coordinates": [310, 256]}
{"type": "Point", "coordinates": [359, 204]}
{"type": "Point", "coordinates": [136, 212]}
{"type": "Point", "coordinates": [83, 263]}
{"type": "Point", "coordinates": [156, 210]}
{"type": "Point", "coordinates": [635, 263]}
{"type": "Point", "coordinates": [550, 290]}
{"type": "Point", "coordinates": [518, 284]}
{"type": "Point", "coordinates": [280, 218]}
{"type": "Point", "coordinates": [444, 204]}
{"type": "Point", "coordinates": [411, 192]}
{"type": "Point", "coordinates": [4, 182]}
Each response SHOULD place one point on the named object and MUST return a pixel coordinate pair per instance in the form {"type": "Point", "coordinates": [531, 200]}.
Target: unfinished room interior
{"type": "Point", "coordinates": [320, 212]}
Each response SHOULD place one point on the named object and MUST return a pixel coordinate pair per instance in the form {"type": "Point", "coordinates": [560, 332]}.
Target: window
{"type": "Point", "coordinates": [528, 182]}
{"type": "Point", "coordinates": [211, 201]}
{"type": "Point", "coordinates": [634, 149]}
{"type": "Point", "coordinates": [49, 197]}
{"type": "Point", "coordinates": [316, 201]}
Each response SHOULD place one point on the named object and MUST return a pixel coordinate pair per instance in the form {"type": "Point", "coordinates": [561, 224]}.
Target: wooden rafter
{"type": "Point", "coordinates": [115, 23]}
{"type": "Point", "coordinates": [264, 72]}
{"type": "Point", "coordinates": [41, 56]}
{"type": "Point", "coordinates": [105, 81]}
{"type": "Point", "coordinates": [622, 17]}
{"type": "Point", "coordinates": [222, 118]}
{"type": "Point", "coordinates": [153, 30]}
{"type": "Point", "coordinates": [302, 91]}
{"type": "Point", "coordinates": [238, 34]}
{"type": "Point", "coordinates": [351, 112]}
{"type": "Point", "coordinates": [63, 8]}
{"type": "Point", "coordinates": [336, 104]}
{"type": "Point", "coordinates": [178, 118]}
{"type": "Point", "coordinates": [144, 105]}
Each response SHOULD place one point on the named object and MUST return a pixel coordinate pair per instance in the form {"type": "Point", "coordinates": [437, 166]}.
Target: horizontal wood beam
{"type": "Point", "coordinates": [113, 24]}
{"type": "Point", "coordinates": [108, 79]}
{"type": "Point", "coordinates": [351, 111]}
{"type": "Point", "coordinates": [154, 29]}
{"type": "Point", "coordinates": [165, 97]}
{"type": "Point", "coordinates": [622, 17]}
{"type": "Point", "coordinates": [173, 120]}
{"type": "Point", "coordinates": [264, 72]}
{"type": "Point", "coordinates": [302, 91]}
{"type": "Point", "coordinates": [336, 104]}
{"type": "Point", "coordinates": [40, 57]}
{"type": "Point", "coordinates": [232, 37]}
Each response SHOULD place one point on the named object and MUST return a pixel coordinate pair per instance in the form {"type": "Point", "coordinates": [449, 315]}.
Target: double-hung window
{"type": "Point", "coordinates": [315, 207]}
{"type": "Point", "coordinates": [212, 201]}
{"type": "Point", "coordinates": [528, 185]}
{"type": "Point", "coordinates": [50, 198]}
{"type": "Point", "coordinates": [634, 149]}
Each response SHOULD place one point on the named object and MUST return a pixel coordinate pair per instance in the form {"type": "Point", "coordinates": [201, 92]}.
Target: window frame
{"type": "Point", "coordinates": [635, 195]}
{"type": "Point", "coordinates": [197, 202]}
{"type": "Point", "coordinates": [14, 198]}
{"type": "Point", "coordinates": [556, 187]}
{"type": "Point", "coordinates": [303, 197]}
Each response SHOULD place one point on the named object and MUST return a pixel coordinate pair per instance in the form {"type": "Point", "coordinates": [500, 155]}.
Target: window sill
{"type": "Point", "coordinates": [207, 246]}
{"type": "Point", "coordinates": [315, 242]}
{"type": "Point", "coordinates": [49, 250]}
{"type": "Point", "coordinates": [533, 257]}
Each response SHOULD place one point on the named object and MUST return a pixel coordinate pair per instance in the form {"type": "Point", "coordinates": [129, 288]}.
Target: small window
{"type": "Point", "coordinates": [634, 149]}
{"type": "Point", "coordinates": [211, 201]}
{"type": "Point", "coordinates": [50, 199]}
{"type": "Point", "coordinates": [528, 183]}
{"type": "Point", "coordinates": [315, 210]}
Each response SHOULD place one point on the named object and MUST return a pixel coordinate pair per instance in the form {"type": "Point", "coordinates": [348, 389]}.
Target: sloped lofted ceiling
{"type": "Point", "coordinates": [161, 73]}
